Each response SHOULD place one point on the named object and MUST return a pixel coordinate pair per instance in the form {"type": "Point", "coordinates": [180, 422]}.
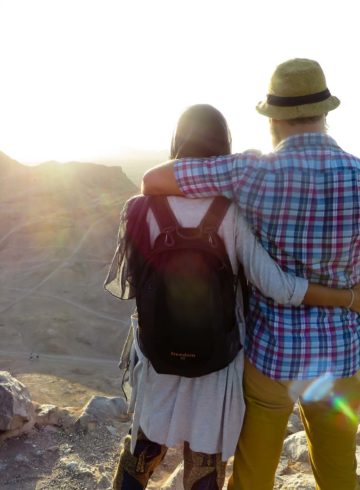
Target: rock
{"type": "Point", "coordinates": [77, 467]}
{"type": "Point", "coordinates": [21, 458]}
{"type": "Point", "coordinates": [70, 465]}
{"type": "Point", "coordinates": [102, 409]}
{"type": "Point", "coordinates": [52, 449]}
{"type": "Point", "coordinates": [67, 449]}
{"type": "Point", "coordinates": [295, 447]}
{"type": "Point", "coordinates": [175, 480]}
{"type": "Point", "coordinates": [50, 428]}
{"type": "Point", "coordinates": [169, 475]}
{"type": "Point", "coordinates": [299, 481]}
{"type": "Point", "coordinates": [53, 416]}
{"type": "Point", "coordinates": [16, 407]}
{"type": "Point", "coordinates": [294, 424]}
{"type": "Point", "coordinates": [104, 482]}
{"type": "Point", "coordinates": [112, 430]}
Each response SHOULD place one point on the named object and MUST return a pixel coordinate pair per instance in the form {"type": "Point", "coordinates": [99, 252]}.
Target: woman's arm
{"type": "Point", "coordinates": [317, 295]}
{"type": "Point", "coordinates": [161, 180]}
{"type": "Point", "coordinates": [262, 271]}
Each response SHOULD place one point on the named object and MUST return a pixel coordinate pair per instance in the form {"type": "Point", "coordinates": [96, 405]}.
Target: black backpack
{"type": "Point", "coordinates": [186, 295]}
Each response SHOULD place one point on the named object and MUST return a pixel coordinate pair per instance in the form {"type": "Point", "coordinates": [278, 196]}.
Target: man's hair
{"type": "Point", "coordinates": [304, 120]}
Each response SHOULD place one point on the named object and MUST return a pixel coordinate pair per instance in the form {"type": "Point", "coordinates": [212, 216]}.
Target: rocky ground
{"type": "Point", "coordinates": [62, 455]}
{"type": "Point", "coordinates": [59, 452]}
{"type": "Point", "coordinates": [51, 457]}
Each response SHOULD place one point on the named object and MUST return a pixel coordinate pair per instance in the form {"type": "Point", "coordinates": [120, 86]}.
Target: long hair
{"type": "Point", "coordinates": [201, 131]}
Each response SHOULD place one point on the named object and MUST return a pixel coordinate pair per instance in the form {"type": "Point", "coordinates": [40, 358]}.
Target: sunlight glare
{"type": "Point", "coordinates": [322, 388]}
{"type": "Point", "coordinates": [82, 80]}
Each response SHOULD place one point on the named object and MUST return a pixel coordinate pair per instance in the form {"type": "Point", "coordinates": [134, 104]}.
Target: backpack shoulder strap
{"type": "Point", "coordinates": [212, 220]}
{"type": "Point", "coordinates": [163, 213]}
{"type": "Point", "coordinates": [216, 213]}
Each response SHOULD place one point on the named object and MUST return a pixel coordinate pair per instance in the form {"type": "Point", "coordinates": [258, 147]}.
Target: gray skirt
{"type": "Point", "coordinates": [207, 412]}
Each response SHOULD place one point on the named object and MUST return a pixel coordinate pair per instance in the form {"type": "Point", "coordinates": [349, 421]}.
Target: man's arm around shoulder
{"type": "Point", "coordinates": [161, 180]}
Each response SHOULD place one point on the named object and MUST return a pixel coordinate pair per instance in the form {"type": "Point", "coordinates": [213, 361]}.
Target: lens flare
{"type": "Point", "coordinates": [319, 388]}
{"type": "Point", "coordinates": [323, 387]}
{"type": "Point", "coordinates": [341, 405]}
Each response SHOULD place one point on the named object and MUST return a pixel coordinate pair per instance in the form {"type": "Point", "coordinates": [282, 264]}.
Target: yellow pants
{"type": "Point", "coordinates": [330, 424]}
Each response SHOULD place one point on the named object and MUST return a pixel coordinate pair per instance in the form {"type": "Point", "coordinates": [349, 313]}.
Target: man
{"type": "Point", "coordinates": [303, 202]}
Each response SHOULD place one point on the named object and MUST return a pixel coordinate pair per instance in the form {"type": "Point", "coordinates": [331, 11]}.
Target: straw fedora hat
{"type": "Point", "coordinates": [297, 89]}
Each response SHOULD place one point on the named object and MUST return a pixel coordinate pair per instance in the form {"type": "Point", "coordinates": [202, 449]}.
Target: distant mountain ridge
{"type": "Point", "coordinates": [7, 164]}
{"type": "Point", "coordinates": [58, 227]}
{"type": "Point", "coordinates": [136, 162]}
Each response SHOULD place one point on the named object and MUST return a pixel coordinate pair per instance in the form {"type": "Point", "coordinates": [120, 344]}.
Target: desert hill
{"type": "Point", "coordinates": [58, 226]}
{"type": "Point", "coordinates": [135, 162]}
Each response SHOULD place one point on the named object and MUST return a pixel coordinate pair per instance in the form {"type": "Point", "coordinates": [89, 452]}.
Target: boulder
{"type": "Point", "coordinates": [16, 407]}
{"type": "Point", "coordinates": [295, 447]}
{"type": "Point", "coordinates": [295, 424]}
{"type": "Point", "coordinates": [53, 416]}
{"type": "Point", "coordinates": [102, 409]}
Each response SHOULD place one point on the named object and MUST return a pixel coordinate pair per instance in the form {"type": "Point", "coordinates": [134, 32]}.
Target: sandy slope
{"type": "Point", "coordinates": [58, 226]}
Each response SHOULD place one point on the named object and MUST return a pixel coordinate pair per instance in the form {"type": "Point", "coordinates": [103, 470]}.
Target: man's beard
{"type": "Point", "coordinates": [275, 136]}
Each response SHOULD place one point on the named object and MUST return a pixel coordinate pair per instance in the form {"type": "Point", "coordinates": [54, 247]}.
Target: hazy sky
{"type": "Point", "coordinates": [81, 79]}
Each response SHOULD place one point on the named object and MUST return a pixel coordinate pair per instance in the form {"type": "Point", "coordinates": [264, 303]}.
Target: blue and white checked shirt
{"type": "Point", "coordinates": [303, 203]}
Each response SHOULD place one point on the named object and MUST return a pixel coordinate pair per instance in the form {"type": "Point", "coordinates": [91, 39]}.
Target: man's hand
{"type": "Point", "coordinates": [161, 180]}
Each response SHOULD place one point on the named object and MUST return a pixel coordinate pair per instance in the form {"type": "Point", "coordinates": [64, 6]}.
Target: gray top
{"type": "Point", "coordinates": [207, 411]}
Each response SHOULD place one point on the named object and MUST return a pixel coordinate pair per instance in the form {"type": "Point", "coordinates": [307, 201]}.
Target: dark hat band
{"type": "Point", "coordinates": [299, 100]}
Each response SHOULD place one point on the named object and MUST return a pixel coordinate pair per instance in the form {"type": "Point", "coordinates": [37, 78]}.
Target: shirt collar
{"type": "Point", "coordinates": [306, 139]}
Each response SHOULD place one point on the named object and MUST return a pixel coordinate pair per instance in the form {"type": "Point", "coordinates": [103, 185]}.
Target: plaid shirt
{"type": "Point", "coordinates": [303, 203]}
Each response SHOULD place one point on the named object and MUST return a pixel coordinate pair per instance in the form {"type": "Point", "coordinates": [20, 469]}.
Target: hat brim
{"type": "Point", "coordinates": [294, 112]}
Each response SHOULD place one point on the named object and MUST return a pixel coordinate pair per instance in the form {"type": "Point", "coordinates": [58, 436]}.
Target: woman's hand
{"type": "Point", "coordinates": [318, 295]}
{"type": "Point", "coordinates": [356, 304]}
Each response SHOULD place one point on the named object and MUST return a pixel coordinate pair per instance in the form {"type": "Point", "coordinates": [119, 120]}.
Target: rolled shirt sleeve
{"type": "Point", "coordinates": [218, 175]}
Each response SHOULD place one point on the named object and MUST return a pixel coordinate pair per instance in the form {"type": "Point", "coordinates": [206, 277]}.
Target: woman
{"type": "Point", "coordinates": [205, 413]}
